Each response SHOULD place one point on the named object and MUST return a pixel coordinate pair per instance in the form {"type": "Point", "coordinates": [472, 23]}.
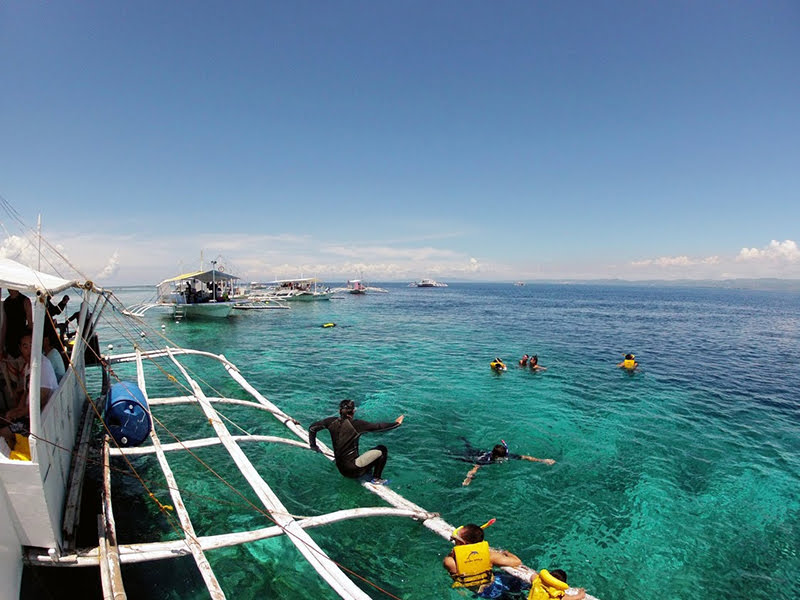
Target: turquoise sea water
{"type": "Point", "coordinates": [677, 481]}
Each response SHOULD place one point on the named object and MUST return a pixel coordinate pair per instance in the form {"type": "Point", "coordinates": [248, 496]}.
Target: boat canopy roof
{"type": "Point", "coordinates": [297, 280]}
{"type": "Point", "coordinates": [20, 277]}
{"type": "Point", "coordinates": [204, 276]}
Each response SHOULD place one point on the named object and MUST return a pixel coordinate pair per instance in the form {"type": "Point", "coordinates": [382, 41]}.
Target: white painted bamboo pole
{"type": "Point", "coordinates": [202, 443]}
{"type": "Point", "coordinates": [190, 539]}
{"type": "Point", "coordinates": [145, 552]}
{"type": "Point", "coordinates": [108, 542]}
{"type": "Point", "coordinates": [316, 557]}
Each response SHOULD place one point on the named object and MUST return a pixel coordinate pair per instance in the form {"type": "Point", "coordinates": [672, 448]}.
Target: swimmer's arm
{"type": "Point", "coordinates": [547, 461]}
{"type": "Point", "coordinates": [470, 475]}
{"type": "Point", "coordinates": [504, 558]}
{"type": "Point", "coordinates": [449, 563]}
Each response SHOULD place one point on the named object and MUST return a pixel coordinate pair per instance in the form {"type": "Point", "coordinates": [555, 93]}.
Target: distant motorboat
{"type": "Point", "coordinates": [427, 283]}
{"type": "Point", "coordinates": [519, 283]}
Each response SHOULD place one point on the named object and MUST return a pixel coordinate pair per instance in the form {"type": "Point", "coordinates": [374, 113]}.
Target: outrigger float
{"type": "Point", "coordinates": [39, 512]}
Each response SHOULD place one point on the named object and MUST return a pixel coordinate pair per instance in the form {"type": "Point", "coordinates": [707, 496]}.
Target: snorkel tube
{"type": "Point", "coordinates": [454, 536]}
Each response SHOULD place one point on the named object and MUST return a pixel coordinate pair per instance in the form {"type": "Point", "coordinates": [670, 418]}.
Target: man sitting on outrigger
{"type": "Point", "coordinates": [345, 432]}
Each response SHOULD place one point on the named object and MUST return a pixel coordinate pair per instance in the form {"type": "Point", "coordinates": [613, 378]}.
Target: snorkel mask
{"type": "Point", "coordinates": [456, 537]}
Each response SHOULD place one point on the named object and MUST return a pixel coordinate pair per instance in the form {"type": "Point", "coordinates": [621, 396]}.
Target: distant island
{"type": "Point", "coordinates": [763, 284]}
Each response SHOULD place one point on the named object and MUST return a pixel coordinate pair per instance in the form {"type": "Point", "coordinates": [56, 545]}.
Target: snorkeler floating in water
{"type": "Point", "coordinates": [533, 363]}
{"type": "Point", "coordinates": [497, 454]}
{"type": "Point", "coordinates": [629, 363]}
{"type": "Point", "coordinates": [498, 365]}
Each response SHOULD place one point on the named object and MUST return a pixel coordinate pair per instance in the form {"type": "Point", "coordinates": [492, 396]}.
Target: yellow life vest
{"type": "Point", "coordinates": [546, 587]}
{"type": "Point", "coordinates": [474, 565]}
{"type": "Point", "coordinates": [629, 364]}
{"type": "Point", "coordinates": [22, 448]}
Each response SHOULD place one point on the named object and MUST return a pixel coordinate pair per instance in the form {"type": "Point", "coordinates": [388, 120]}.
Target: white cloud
{"type": "Point", "coordinates": [675, 261]}
{"type": "Point", "coordinates": [111, 268]}
{"type": "Point", "coordinates": [775, 251]}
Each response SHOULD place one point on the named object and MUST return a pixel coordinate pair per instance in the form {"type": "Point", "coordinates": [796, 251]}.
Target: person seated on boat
{"type": "Point", "coordinates": [345, 432]}
{"type": "Point", "coordinates": [471, 563]}
{"type": "Point", "coordinates": [523, 362]}
{"type": "Point", "coordinates": [51, 347]}
{"type": "Point", "coordinates": [17, 418]}
{"type": "Point", "coordinates": [533, 363]}
{"type": "Point", "coordinates": [629, 363]}
{"type": "Point", "coordinates": [18, 316]}
{"type": "Point", "coordinates": [553, 584]}
{"type": "Point", "coordinates": [497, 454]}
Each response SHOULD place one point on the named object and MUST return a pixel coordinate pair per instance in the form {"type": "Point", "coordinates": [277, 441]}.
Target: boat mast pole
{"type": "Point", "coordinates": [213, 281]}
{"type": "Point", "coordinates": [39, 235]}
{"type": "Point", "coordinates": [34, 391]}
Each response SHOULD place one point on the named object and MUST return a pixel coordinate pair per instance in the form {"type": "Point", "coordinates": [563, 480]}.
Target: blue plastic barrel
{"type": "Point", "coordinates": [127, 415]}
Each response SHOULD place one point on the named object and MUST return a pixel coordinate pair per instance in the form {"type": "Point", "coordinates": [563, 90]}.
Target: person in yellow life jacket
{"type": "Point", "coordinates": [471, 560]}
{"type": "Point", "coordinates": [629, 363]}
{"type": "Point", "coordinates": [498, 365]}
{"type": "Point", "coordinates": [553, 584]}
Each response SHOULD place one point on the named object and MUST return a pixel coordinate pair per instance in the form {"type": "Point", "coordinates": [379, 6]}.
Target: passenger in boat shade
{"type": "Point", "coordinates": [497, 454]}
{"type": "Point", "coordinates": [553, 584]}
{"type": "Point", "coordinates": [51, 348]}
{"type": "Point", "coordinates": [18, 317]}
{"type": "Point", "coordinates": [345, 432]}
{"type": "Point", "coordinates": [470, 565]}
{"type": "Point", "coordinates": [17, 419]}
{"type": "Point", "coordinates": [523, 361]}
{"type": "Point", "coordinates": [534, 364]}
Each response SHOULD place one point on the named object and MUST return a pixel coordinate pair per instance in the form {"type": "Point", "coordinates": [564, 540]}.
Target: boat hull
{"type": "Point", "coordinates": [207, 310]}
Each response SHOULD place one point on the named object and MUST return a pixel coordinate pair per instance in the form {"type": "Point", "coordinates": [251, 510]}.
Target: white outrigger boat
{"type": "Point", "coordinates": [358, 288]}
{"type": "Point", "coordinates": [40, 497]}
{"type": "Point", "coordinates": [303, 289]}
{"type": "Point", "coordinates": [201, 294]}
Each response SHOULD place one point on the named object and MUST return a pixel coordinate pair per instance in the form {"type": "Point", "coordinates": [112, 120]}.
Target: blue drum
{"type": "Point", "coordinates": [127, 415]}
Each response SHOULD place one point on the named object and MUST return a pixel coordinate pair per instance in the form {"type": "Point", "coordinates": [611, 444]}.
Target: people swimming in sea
{"type": "Point", "coordinates": [533, 363]}
{"type": "Point", "coordinates": [546, 585]}
{"type": "Point", "coordinates": [498, 365]}
{"type": "Point", "coordinates": [497, 454]}
{"type": "Point", "coordinates": [629, 363]}
{"type": "Point", "coordinates": [523, 362]}
{"type": "Point", "coordinates": [345, 432]}
{"type": "Point", "coordinates": [471, 563]}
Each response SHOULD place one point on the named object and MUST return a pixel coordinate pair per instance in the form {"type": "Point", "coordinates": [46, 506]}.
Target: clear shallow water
{"type": "Point", "coordinates": [678, 480]}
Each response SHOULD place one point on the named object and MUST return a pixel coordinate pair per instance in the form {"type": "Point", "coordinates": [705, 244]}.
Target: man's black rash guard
{"type": "Point", "coordinates": [344, 437]}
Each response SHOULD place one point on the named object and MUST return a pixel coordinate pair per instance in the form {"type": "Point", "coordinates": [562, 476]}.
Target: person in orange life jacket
{"type": "Point", "coordinates": [345, 432]}
{"type": "Point", "coordinates": [471, 560]}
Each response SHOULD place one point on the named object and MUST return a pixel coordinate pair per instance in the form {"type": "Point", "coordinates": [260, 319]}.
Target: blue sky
{"type": "Point", "coordinates": [400, 140]}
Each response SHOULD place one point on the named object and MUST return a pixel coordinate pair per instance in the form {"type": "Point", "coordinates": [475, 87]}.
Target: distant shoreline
{"type": "Point", "coordinates": [760, 284]}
